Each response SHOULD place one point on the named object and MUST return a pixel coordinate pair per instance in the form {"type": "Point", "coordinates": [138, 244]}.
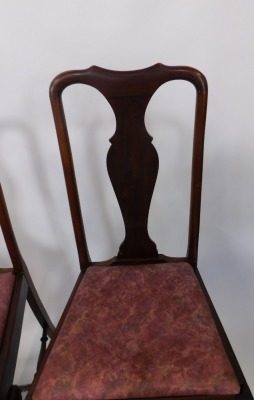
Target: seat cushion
{"type": "Point", "coordinates": [137, 331]}
{"type": "Point", "coordinates": [7, 280]}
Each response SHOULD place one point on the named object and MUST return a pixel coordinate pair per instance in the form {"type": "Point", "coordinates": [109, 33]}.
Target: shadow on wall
{"type": "Point", "coordinates": [33, 182]}
{"type": "Point", "coordinates": [32, 207]}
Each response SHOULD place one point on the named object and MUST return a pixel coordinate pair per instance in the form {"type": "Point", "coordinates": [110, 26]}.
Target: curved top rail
{"type": "Point", "coordinates": [136, 82]}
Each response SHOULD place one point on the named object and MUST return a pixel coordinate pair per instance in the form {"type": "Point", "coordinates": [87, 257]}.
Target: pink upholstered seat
{"type": "Point", "coordinates": [7, 280]}
{"type": "Point", "coordinates": [137, 331]}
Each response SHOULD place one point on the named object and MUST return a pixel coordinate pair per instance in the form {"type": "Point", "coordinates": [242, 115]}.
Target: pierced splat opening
{"type": "Point", "coordinates": [91, 122]}
{"type": "Point", "coordinates": [169, 119]}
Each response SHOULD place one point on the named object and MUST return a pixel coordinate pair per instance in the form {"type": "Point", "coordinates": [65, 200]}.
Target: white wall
{"type": "Point", "coordinates": [39, 40]}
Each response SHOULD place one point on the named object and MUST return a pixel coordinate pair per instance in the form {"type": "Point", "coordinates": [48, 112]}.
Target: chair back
{"type": "Point", "coordinates": [132, 160]}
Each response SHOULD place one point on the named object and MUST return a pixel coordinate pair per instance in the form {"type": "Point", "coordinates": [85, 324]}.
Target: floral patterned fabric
{"type": "Point", "coordinates": [137, 331]}
{"type": "Point", "coordinates": [7, 280]}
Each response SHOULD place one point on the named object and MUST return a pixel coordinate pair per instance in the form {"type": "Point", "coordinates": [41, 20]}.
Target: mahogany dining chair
{"type": "Point", "coordinates": [140, 325]}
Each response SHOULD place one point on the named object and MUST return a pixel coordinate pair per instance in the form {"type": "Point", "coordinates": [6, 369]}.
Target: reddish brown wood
{"type": "Point", "coordinates": [133, 166]}
{"type": "Point", "coordinates": [132, 160]}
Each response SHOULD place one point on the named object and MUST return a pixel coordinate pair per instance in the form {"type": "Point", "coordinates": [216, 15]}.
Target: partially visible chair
{"type": "Point", "coordinates": [140, 325]}
{"type": "Point", "coordinates": [16, 287]}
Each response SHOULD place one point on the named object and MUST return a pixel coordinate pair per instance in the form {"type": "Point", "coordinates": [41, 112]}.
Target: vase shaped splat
{"type": "Point", "coordinates": [133, 167]}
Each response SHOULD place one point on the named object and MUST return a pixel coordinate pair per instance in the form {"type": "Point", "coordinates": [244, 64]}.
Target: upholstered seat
{"type": "Point", "coordinates": [7, 280]}
{"type": "Point", "coordinates": [137, 331]}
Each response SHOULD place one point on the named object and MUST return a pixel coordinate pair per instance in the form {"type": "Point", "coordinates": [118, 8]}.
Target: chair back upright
{"type": "Point", "coordinates": [11, 243]}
